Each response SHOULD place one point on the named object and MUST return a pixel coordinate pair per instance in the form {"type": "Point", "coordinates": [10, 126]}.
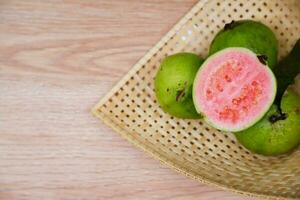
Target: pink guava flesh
{"type": "Point", "coordinates": [233, 89]}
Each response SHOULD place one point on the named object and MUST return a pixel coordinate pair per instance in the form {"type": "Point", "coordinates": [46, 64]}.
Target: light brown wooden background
{"type": "Point", "coordinates": [57, 58]}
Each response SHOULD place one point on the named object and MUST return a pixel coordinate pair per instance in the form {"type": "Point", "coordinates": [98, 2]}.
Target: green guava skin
{"type": "Point", "coordinates": [279, 137]}
{"type": "Point", "coordinates": [248, 34]}
{"type": "Point", "coordinates": [287, 70]}
{"type": "Point", "coordinates": [174, 83]}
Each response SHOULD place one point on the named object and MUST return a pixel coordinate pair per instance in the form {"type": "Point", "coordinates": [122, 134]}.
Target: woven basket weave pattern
{"type": "Point", "coordinates": [192, 146]}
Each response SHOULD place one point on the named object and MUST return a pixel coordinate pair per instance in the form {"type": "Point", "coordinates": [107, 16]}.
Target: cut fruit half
{"type": "Point", "coordinates": [233, 89]}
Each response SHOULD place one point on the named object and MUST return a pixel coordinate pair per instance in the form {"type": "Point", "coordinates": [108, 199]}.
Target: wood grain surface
{"type": "Point", "coordinates": [57, 59]}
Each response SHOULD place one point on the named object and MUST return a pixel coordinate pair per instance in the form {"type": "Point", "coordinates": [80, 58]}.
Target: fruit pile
{"type": "Point", "coordinates": [239, 88]}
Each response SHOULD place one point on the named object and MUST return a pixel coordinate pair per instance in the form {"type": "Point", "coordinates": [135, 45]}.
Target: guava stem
{"type": "Point", "coordinates": [263, 59]}
{"type": "Point", "coordinates": [229, 26]}
{"type": "Point", "coordinates": [276, 117]}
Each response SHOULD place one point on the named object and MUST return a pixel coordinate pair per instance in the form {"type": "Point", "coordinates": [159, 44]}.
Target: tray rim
{"type": "Point", "coordinates": [163, 160]}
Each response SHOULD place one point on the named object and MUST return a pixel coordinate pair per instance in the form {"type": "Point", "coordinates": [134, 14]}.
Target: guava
{"type": "Point", "coordinates": [278, 132]}
{"type": "Point", "coordinates": [173, 84]}
{"type": "Point", "coordinates": [287, 70]}
{"type": "Point", "coordinates": [249, 34]}
{"type": "Point", "coordinates": [233, 89]}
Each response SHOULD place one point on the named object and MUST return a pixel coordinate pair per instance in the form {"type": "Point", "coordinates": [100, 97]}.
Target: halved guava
{"type": "Point", "coordinates": [233, 89]}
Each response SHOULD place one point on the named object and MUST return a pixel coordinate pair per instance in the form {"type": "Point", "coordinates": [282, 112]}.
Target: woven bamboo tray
{"type": "Point", "coordinates": [191, 146]}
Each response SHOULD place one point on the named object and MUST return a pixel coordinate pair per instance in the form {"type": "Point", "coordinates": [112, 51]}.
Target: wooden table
{"type": "Point", "coordinates": [57, 59]}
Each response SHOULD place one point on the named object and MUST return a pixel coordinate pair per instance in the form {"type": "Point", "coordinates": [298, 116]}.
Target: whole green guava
{"type": "Point", "coordinates": [278, 131]}
{"type": "Point", "coordinates": [248, 34]}
{"type": "Point", "coordinates": [174, 83]}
